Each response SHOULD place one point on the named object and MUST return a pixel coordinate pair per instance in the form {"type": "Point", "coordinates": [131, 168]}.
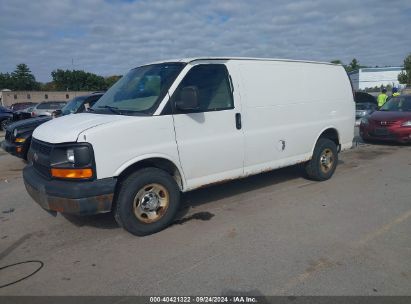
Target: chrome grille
{"type": "Point", "coordinates": [40, 152]}
{"type": "Point", "coordinates": [43, 170]}
{"type": "Point", "coordinates": [384, 123]}
{"type": "Point", "coordinates": [38, 146]}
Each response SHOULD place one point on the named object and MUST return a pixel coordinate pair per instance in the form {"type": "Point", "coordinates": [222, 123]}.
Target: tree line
{"type": "Point", "coordinates": [404, 77]}
{"type": "Point", "coordinates": [22, 79]}
{"type": "Point", "coordinates": [352, 66]}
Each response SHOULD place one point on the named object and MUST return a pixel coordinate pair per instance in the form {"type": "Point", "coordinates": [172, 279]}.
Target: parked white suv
{"type": "Point", "coordinates": [171, 127]}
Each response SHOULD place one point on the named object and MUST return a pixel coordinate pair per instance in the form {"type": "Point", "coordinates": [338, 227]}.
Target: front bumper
{"type": "Point", "coordinates": [18, 150]}
{"type": "Point", "coordinates": [401, 135]}
{"type": "Point", "coordinates": [72, 197]}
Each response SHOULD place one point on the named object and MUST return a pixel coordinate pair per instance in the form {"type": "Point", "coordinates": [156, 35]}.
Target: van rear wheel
{"type": "Point", "coordinates": [324, 160]}
{"type": "Point", "coordinates": [147, 201]}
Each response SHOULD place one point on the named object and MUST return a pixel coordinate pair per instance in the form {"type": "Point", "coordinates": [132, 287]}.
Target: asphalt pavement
{"type": "Point", "coordinates": [271, 234]}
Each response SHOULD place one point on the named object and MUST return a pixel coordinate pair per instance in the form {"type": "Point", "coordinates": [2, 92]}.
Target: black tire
{"type": "Point", "coordinates": [315, 169]}
{"type": "Point", "coordinates": [124, 210]}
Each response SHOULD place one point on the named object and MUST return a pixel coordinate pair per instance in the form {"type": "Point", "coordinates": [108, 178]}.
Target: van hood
{"type": "Point", "coordinates": [67, 128]}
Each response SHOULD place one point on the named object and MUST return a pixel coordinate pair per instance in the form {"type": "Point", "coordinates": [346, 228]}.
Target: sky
{"type": "Point", "coordinates": [109, 37]}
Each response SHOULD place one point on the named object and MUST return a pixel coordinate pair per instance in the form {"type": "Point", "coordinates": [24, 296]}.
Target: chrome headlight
{"type": "Point", "coordinates": [72, 161]}
{"type": "Point", "coordinates": [15, 132]}
{"type": "Point", "coordinates": [406, 124]}
{"type": "Point", "coordinates": [70, 156]}
{"type": "Point", "coordinates": [76, 155]}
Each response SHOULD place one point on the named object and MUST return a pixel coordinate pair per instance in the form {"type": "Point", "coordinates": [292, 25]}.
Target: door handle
{"type": "Point", "coordinates": [238, 121]}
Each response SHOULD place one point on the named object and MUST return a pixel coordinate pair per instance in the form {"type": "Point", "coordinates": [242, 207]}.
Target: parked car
{"type": "Point", "coordinates": [79, 104]}
{"type": "Point", "coordinates": [18, 134]}
{"type": "Point", "coordinates": [173, 127]}
{"type": "Point", "coordinates": [24, 113]}
{"type": "Point", "coordinates": [392, 122]}
{"type": "Point", "coordinates": [22, 105]}
{"type": "Point", "coordinates": [16, 116]}
{"type": "Point", "coordinates": [365, 104]}
{"type": "Point", "coordinates": [6, 116]}
{"type": "Point", "coordinates": [46, 108]}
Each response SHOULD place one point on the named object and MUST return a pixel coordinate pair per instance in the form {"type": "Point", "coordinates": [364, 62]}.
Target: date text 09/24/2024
{"type": "Point", "coordinates": [205, 299]}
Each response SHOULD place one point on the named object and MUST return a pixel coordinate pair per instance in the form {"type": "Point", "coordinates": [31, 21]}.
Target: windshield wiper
{"type": "Point", "coordinates": [115, 110]}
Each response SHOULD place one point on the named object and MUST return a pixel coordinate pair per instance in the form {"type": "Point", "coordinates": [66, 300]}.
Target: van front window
{"type": "Point", "coordinates": [139, 91]}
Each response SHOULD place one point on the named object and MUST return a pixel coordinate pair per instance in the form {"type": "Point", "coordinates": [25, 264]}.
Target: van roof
{"type": "Point", "coordinates": [191, 59]}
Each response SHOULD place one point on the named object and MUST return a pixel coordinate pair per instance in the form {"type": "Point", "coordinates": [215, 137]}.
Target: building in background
{"type": "Point", "coordinates": [7, 97]}
{"type": "Point", "coordinates": [375, 77]}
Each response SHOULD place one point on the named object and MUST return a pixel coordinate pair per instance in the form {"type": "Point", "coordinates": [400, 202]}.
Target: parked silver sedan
{"type": "Point", "coordinates": [46, 108]}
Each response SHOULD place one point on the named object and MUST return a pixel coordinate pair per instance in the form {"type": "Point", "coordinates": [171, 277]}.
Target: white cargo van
{"type": "Point", "coordinates": [171, 127]}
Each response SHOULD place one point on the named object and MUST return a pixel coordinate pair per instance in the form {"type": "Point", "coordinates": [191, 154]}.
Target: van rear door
{"type": "Point", "coordinates": [210, 138]}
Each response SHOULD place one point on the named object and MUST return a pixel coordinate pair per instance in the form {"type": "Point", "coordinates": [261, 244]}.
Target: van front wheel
{"type": "Point", "coordinates": [324, 160]}
{"type": "Point", "coordinates": [147, 201]}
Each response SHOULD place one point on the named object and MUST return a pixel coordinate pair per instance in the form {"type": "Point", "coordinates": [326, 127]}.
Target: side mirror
{"type": "Point", "coordinates": [188, 99]}
{"type": "Point", "coordinates": [56, 113]}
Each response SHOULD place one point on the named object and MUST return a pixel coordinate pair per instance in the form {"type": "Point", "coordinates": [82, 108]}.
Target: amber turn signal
{"type": "Point", "coordinates": [72, 173]}
{"type": "Point", "coordinates": [19, 140]}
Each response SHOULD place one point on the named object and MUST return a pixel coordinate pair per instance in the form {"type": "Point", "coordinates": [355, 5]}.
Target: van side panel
{"type": "Point", "coordinates": [286, 106]}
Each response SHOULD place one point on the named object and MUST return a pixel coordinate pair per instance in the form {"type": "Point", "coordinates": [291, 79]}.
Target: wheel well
{"type": "Point", "coordinates": [160, 163]}
{"type": "Point", "coordinates": [331, 134]}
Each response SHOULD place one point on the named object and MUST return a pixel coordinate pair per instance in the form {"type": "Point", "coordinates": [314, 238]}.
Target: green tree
{"type": "Point", "coordinates": [6, 82]}
{"type": "Point", "coordinates": [48, 86]}
{"type": "Point", "coordinates": [405, 76]}
{"type": "Point", "coordinates": [110, 80]}
{"type": "Point", "coordinates": [353, 65]}
{"type": "Point", "coordinates": [77, 80]}
{"type": "Point", "coordinates": [23, 79]}
{"type": "Point", "coordinates": [336, 61]}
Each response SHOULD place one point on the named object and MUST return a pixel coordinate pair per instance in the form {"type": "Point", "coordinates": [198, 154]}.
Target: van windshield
{"type": "Point", "coordinates": [139, 91]}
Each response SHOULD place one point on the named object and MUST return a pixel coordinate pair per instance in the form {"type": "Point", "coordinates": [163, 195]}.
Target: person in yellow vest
{"type": "Point", "coordinates": [395, 92]}
{"type": "Point", "coordinates": [382, 98]}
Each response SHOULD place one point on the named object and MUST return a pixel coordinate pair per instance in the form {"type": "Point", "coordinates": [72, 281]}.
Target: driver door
{"type": "Point", "coordinates": [210, 139]}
